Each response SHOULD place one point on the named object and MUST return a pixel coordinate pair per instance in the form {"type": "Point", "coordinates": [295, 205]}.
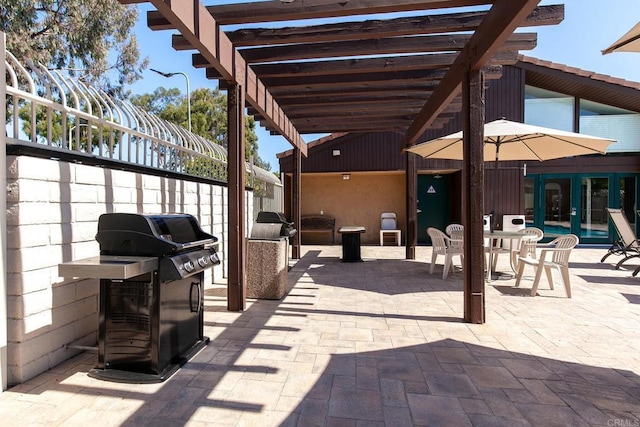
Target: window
{"type": "Point", "coordinates": [548, 109]}
{"type": "Point", "coordinates": [611, 122]}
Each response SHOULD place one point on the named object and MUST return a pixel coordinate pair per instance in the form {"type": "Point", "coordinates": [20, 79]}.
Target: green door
{"type": "Point", "coordinates": [433, 204]}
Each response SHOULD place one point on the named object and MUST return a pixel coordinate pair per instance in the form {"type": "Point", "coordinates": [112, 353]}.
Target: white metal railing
{"type": "Point", "coordinates": [50, 110]}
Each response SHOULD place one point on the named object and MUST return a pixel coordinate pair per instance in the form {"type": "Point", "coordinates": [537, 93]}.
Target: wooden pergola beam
{"type": "Point", "coordinates": [253, 13]}
{"type": "Point", "coordinates": [312, 9]}
{"type": "Point", "coordinates": [379, 46]}
{"type": "Point", "coordinates": [292, 84]}
{"type": "Point", "coordinates": [339, 98]}
{"type": "Point", "coordinates": [371, 91]}
{"type": "Point", "coordinates": [201, 30]}
{"type": "Point", "coordinates": [375, 29]}
{"type": "Point", "coordinates": [387, 64]}
{"type": "Point", "coordinates": [381, 28]}
{"type": "Point", "coordinates": [503, 18]}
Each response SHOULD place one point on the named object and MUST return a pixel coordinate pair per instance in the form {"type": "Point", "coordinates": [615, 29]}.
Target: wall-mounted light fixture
{"type": "Point", "coordinates": [346, 176]}
{"type": "Point", "coordinates": [335, 153]}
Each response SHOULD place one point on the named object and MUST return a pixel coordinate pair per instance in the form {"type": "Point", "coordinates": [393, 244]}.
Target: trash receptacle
{"type": "Point", "coordinates": [268, 256]}
{"type": "Point", "coordinates": [267, 267]}
{"type": "Point", "coordinates": [512, 223]}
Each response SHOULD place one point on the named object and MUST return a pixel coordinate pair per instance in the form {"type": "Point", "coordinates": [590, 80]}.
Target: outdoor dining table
{"type": "Point", "coordinates": [351, 242]}
{"type": "Point", "coordinates": [499, 235]}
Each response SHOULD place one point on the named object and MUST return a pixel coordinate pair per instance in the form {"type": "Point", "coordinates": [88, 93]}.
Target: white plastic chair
{"type": "Point", "coordinates": [456, 234]}
{"type": "Point", "coordinates": [442, 246]}
{"type": "Point", "coordinates": [528, 245]}
{"type": "Point", "coordinates": [559, 250]}
{"type": "Point", "coordinates": [388, 225]}
{"type": "Point", "coordinates": [496, 249]}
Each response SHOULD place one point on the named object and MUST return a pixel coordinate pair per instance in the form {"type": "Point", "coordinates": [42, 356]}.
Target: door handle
{"type": "Point", "coordinates": [198, 305]}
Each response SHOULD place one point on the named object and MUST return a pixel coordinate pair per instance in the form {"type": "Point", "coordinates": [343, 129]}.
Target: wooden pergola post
{"type": "Point", "coordinates": [412, 205]}
{"type": "Point", "coordinates": [237, 284]}
{"type": "Point", "coordinates": [472, 189]}
{"type": "Point", "coordinates": [296, 200]}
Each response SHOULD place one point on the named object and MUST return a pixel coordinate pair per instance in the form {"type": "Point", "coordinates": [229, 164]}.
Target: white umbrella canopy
{"type": "Point", "coordinates": [630, 42]}
{"type": "Point", "coordinates": [507, 140]}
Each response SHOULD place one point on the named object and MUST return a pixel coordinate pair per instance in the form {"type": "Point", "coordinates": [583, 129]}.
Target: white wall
{"type": "Point", "coordinates": [52, 213]}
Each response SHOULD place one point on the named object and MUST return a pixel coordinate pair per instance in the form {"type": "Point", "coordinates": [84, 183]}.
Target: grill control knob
{"type": "Point", "coordinates": [202, 261]}
{"type": "Point", "coordinates": [188, 266]}
{"type": "Point", "coordinates": [213, 258]}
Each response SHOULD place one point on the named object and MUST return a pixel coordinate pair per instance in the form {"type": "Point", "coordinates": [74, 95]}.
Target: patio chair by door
{"type": "Point", "coordinates": [456, 234]}
{"type": "Point", "coordinates": [442, 246]}
{"type": "Point", "coordinates": [559, 250]}
{"type": "Point", "coordinates": [527, 246]}
{"type": "Point", "coordinates": [388, 225]}
{"type": "Point", "coordinates": [627, 243]}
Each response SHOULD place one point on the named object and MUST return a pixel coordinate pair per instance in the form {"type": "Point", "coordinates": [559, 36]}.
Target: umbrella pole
{"type": "Point", "coordinates": [493, 199]}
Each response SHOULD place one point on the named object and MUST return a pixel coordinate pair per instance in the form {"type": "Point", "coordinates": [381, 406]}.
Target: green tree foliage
{"type": "Point", "coordinates": [208, 116]}
{"type": "Point", "coordinates": [93, 40]}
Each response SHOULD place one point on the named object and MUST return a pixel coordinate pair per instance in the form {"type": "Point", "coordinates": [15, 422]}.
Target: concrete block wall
{"type": "Point", "coordinates": [52, 217]}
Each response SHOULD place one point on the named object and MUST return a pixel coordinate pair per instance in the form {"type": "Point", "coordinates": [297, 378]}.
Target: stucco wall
{"type": "Point", "coordinates": [357, 201]}
{"type": "Point", "coordinates": [52, 213]}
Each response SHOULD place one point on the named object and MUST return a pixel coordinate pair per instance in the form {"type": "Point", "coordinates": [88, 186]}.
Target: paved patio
{"type": "Point", "coordinates": [382, 342]}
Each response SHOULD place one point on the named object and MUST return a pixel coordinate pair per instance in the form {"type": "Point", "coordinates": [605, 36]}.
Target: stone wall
{"type": "Point", "coordinates": [52, 217]}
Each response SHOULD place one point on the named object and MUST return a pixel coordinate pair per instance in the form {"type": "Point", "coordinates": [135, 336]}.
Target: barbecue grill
{"type": "Point", "coordinates": [151, 272]}
{"type": "Point", "coordinates": [272, 226]}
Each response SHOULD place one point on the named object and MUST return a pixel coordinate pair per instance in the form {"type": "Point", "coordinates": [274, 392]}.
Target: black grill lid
{"type": "Point", "coordinates": [149, 235]}
{"type": "Point", "coordinates": [273, 218]}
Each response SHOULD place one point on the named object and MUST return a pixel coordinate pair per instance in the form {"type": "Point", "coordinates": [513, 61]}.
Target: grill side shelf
{"type": "Point", "coordinates": [108, 267]}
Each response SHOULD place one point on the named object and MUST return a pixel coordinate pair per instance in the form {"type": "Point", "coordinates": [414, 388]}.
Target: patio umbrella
{"type": "Point", "coordinates": [630, 42]}
{"type": "Point", "coordinates": [507, 140]}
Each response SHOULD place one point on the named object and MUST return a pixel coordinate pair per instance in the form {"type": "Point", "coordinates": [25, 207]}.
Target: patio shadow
{"type": "Point", "coordinates": [449, 382]}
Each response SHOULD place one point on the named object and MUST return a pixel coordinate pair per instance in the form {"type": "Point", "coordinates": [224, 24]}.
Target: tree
{"type": "Point", "coordinates": [208, 116]}
{"type": "Point", "coordinates": [92, 40]}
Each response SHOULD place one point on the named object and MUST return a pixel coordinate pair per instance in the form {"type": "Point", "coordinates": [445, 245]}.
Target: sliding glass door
{"type": "Point", "coordinates": [558, 208]}
{"type": "Point", "coordinates": [594, 195]}
{"type": "Point", "coordinates": [575, 203]}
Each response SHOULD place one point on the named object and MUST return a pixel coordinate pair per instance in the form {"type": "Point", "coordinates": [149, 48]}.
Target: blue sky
{"type": "Point", "coordinates": [589, 26]}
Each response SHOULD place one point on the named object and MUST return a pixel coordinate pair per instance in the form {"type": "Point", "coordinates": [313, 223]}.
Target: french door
{"type": "Point", "coordinates": [575, 203]}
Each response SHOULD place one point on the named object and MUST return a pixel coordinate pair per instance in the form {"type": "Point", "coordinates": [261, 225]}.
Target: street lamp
{"type": "Point", "coordinates": [188, 92]}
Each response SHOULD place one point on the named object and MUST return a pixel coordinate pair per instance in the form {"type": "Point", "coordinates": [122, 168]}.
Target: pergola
{"type": "Point", "coordinates": [355, 66]}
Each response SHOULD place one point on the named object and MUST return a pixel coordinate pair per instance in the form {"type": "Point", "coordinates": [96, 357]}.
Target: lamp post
{"type": "Point", "coordinates": [188, 92]}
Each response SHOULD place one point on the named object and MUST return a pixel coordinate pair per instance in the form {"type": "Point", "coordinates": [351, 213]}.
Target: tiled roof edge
{"type": "Point", "coordinates": [579, 72]}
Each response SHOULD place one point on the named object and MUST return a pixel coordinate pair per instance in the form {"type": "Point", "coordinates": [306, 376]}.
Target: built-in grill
{"type": "Point", "coordinates": [151, 293]}
{"type": "Point", "coordinates": [272, 226]}
{"type": "Point", "coordinates": [183, 247]}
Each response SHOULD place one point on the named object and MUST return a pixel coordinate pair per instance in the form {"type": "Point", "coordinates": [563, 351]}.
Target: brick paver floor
{"type": "Point", "coordinates": [382, 342]}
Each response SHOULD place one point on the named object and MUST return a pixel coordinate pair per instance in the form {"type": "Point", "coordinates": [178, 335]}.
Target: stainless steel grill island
{"type": "Point", "coordinates": [151, 272]}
